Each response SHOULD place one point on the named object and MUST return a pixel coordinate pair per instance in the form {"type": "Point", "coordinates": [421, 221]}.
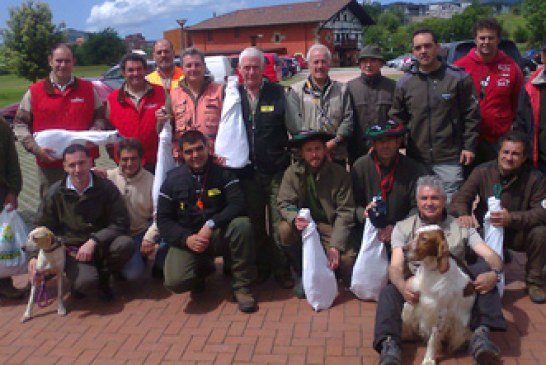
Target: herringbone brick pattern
{"type": "Point", "coordinates": [146, 324]}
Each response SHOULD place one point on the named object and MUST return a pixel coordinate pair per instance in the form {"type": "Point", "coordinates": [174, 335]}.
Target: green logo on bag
{"type": "Point", "coordinates": [7, 233]}
{"type": "Point", "coordinates": [10, 255]}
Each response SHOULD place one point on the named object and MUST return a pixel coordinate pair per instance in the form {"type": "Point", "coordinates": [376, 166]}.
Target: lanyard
{"type": "Point", "coordinates": [199, 203]}
{"type": "Point", "coordinates": [386, 182]}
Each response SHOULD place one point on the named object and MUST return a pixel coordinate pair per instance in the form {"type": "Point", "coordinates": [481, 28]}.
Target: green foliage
{"type": "Point", "coordinates": [461, 24]}
{"type": "Point", "coordinates": [373, 10]}
{"type": "Point", "coordinates": [520, 35]}
{"type": "Point", "coordinates": [28, 38]}
{"type": "Point", "coordinates": [104, 47]}
{"type": "Point", "coordinates": [390, 21]}
{"type": "Point", "coordinates": [534, 11]}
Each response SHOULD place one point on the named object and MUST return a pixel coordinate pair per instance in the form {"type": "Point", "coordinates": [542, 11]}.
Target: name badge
{"type": "Point", "coordinates": [267, 108]}
{"type": "Point", "coordinates": [182, 206]}
{"type": "Point", "coordinates": [150, 106]}
{"type": "Point", "coordinates": [77, 100]}
{"type": "Point", "coordinates": [213, 192]}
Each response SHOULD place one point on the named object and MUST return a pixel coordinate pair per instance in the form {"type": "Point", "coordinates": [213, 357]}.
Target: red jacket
{"type": "Point", "coordinates": [71, 110]}
{"type": "Point", "coordinates": [534, 100]}
{"type": "Point", "coordinates": [138, 123]}
{"type": "Point", "coordinates": [499, 103]}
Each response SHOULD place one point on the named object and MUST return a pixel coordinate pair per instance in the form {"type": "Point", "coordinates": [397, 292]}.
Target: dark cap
{"type": "Point", "coordinates": [305, 136]}
{"type": "Point", "coordinates": [390, 128]}
{"type": "Point", "coordinates": [371, 51]}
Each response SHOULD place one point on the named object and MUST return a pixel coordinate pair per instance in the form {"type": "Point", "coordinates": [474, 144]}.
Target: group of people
{"type": "Point", "coordinates": [320, 144]}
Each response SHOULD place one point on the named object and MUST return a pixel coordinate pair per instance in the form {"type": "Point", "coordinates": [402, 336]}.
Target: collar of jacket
{"type": "Point", "coordinates": [371, 80]}
{"type": "Point", "coordinates": [312, 88]}
{"type": "Point", "coordinates": [510, 179]}
{"type": "Point", "coordinates": [183, 84]}
{"type": "Point", "coordinates": [50, 89]}
{"type": "Point", "coordinates": [122, 94]}
{"type": "Point", "coordinates": [414, 69]}
{"type": "Point", "coordinates": [540, 78]}
{"type": "Point", "coordinates": [97, 180]}
{"type": "Point", "coordinates": [302, 167]}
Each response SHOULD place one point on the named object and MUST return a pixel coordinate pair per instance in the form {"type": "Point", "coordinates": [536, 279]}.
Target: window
{"type": "Point", "coordinates": [210, 36]}
{"type": "Point", "coordinates": [277, 38]}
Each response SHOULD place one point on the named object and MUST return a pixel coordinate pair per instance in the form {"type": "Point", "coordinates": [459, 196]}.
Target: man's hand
{"type": "Point", "coordinates": [370, 205]}
{"type": "Point", "coordinates": [161, 117]}
{"type": "Point", "coordinates": [86, 251]}
{"type": "Point", "coordinates": [197, 243]}
{"type": "Point", "coordinates": [466, 221]}
{"type": "Point", "coordinates": [100, 171]}
{"type": "Point", "coordinates": [485, 282]}
{"type": "Point", "coordinates": [408, 294]}
{"type": "Point", "coordinates": [205, 232]}
{"type": "Point", "coordinates": [333, 258]}
{"type": "Point", "coordinates": [11, 199]}
{"type": "Point", "coordinates": [300, 223]}
{"type": "Point", "coordinates": [384, 234]}
{"type": "Point", "coordinates": [219, 160]}
{"type": "Point", "coordinates": [147, 247]}
{"type": "Point", "coordinates": [45, 154]}
{"type": "Point", "coordinates": [31, 267]}
{"type": "Point", "coordinates": [466, 157]}
{"type": "Point", "coordinates": [501, 218]}
{"type": "Point", "coordinates": [331, 145]}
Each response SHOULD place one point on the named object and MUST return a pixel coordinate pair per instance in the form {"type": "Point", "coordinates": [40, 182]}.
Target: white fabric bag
{"type": "Point", "coordinates": [231, 141]}
{"type": "Point", "coordinates": [13, 235]}
{"type": "Point", "coordinates": [494, 236]}
{"type": "Point", "coordinates": [59, 139]}
{"type": "Point", "coordinates": [370, 271]}
{"type": "Point", "coordinates": [319, 282]}
{"type": "Point", "coordinates": [165, 160]}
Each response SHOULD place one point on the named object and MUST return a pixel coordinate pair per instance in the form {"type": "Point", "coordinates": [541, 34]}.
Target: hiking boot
{"type": "Point", "coordinates": [536, 293]}
{"type": "Point", "coordinates": [390, 353]}
{"type": "Point", "coordinates": [298, 288]}
{"type": "Point", "coordinates": [105, 292]}
{"type": "Point", "coordinates": [246, 301]}
{"type": "Point", "coordinates": [8, 291]}
{"type": "Point", "coordinates": [198, 285]}
{"type": "Point", "coordinates": [482, 349]}
{"type": "Point", "coordinates": [284, 279]}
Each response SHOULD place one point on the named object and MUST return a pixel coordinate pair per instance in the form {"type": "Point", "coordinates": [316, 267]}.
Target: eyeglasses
{"type": "Point", "coordinates": [483, 86]}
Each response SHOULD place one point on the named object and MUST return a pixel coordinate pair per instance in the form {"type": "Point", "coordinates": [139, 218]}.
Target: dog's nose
{"type": "Point", "coordinates": [24, 248]}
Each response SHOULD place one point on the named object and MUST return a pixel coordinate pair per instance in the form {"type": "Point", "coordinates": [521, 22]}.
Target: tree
{"type": "Point", "coordinates": [104, 47]}
{"type": "Point", "coordinates": [373, 10]}
{"type": "Point", "coordinates": [534, 12]}
{"type": "Point", "coordinates": [461, 24]}
{"type": "Point", "coordinates": [28, 39]}
{"type": "Point", "coordinates": [520, 35]}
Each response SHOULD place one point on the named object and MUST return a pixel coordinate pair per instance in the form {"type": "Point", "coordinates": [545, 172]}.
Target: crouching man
{"type": "Point", "coordinates": [88, 215]}
{"type": "Point", "coordinates": [486, 314]}
{"type": "Point", "coordinates": [200, 215]}
{"type": "Point", "coordinates": [325, 188]}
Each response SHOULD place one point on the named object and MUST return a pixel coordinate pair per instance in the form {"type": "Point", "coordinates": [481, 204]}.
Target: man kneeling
{"type": "Point", "coordinates": [88, 215]}
{"type": "Point", "coordinates": [200, 214]}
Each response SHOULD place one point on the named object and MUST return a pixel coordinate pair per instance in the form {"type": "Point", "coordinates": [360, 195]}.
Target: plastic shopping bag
{"type": "Point", "coordinates": [13, 234]}
{"type": "Point", "coordinates": [165, 160]}
{"type": "Point", "coordinates": [370, 271]}
{"type": "Point", "coordinates": [231, 141]}
{"type": "Point", "coordinates": [494, 236]}
{"type": "Point", "coordinates": [59, 139]}
{"type": "Point", "coordinates": [319, 282]}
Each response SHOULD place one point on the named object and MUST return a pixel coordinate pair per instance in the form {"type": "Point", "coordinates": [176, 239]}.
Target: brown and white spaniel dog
{"type": "Point", "coordinates": [446, 295]}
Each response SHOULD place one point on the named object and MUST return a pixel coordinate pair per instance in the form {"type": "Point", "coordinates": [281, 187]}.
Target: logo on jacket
{"type": "Point", "coordinates": [150, 106]}
{"type": "Point", "coordinates": [77, 100]}
{"type": "Point", "coordinates": [504, 67]}
{"type": "Point", "coordinates": [503, 82]}
{"type": "Point", "coordinates": [446, 97]}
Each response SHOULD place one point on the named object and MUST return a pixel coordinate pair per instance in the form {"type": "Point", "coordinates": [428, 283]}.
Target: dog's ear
{"type": "Point", "coordinates": [443, 253]}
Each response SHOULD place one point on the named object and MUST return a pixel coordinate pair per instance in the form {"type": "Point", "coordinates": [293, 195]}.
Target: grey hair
{"type": "Point", "coordinates": [321, 47]}
{"type": "Point", "coordinates": [192, 51]}
{"type": "Point", "coordinates": [430, 181]}
{"type": "Point", "coordinates": [252, 52]}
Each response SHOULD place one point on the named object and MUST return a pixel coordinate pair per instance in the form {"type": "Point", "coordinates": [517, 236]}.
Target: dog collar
{"type": "Point", "coordinates": [53, 248]}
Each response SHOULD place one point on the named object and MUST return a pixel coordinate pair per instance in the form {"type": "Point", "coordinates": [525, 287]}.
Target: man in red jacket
{"type": "Point", "coordinates": [131, 109]}
{"type": "Point", "coordinates": [498, 81]}
{"type": "Point", "coordinates": [60, 101]}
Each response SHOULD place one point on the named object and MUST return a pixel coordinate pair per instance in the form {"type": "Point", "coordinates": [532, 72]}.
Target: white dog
{"type": "Point", "coordinates": [51, 259]}
{"type": "Point", "coordinates": [446, 295]}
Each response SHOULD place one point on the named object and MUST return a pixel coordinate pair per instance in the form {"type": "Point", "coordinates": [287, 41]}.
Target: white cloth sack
{"type": "Point", "coordinates": [494, 236]}
{"type": "Point", "coordinates": [165, 160]}
{"type": "Point", "coordinates": [13, 234]}
{"type": "Point", "coordinates": [319, 282]}
{"type": "Point", "coordinates": [59, 139]}
{"type": "Point", "coordinates": [370, 271]}
{"type": "Point", "coordinates": [231, 141]}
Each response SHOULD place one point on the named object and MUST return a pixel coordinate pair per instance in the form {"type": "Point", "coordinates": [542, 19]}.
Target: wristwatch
{"type": "Point", "coordinates": [338, 140]}
{"type": "Point", "coordinates": [499, 275]}
{"type": "Point", "coordinates": [210, 223]}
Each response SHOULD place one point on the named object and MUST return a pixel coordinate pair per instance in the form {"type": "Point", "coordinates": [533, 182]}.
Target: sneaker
{"type": "Point", "coordinates": [247, 303]}
{"type": "Point", "coordinates": [284, 279]}
{"type": "Point", "coordinates": [482, 349]}
{"type": "Point", "coordinates": [390, 353]}
{"type": "Point", "coordinates": [536, 293]}
{"type": "Point", "coordinates": [8, 291]}
{"type": "Point", "coordinates": [298, 288]}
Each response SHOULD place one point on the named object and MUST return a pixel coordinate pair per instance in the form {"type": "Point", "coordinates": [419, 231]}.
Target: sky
{"type": "Point", "coordinates": [149, 17]}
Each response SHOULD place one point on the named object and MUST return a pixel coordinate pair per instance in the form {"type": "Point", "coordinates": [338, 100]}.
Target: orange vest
{"type": "Point", "coordinates": [202, 114]}
{"type": "Point", "coordinates": [155, 78]}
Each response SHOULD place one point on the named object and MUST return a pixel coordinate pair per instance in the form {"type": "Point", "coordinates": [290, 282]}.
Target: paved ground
{"type": "Point", "coordinates": [148, 325]}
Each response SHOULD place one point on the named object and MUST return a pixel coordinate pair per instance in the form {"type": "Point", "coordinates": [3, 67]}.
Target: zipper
{"type": "Point", "coordinates": [429, 121]}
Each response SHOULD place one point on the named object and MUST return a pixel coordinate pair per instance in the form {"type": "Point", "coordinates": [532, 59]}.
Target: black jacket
{"type": "Point", "coordinates": [267, 131]}
{"type": "Point", "coordinates": [178, 215]}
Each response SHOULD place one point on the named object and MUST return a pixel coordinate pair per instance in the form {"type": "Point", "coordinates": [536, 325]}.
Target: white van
{"type": "Point", "coordinates": [219, 67]}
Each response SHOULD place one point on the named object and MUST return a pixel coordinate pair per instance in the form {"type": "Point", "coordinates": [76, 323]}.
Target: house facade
{"type": "Point", "coordinates": [283, 29]}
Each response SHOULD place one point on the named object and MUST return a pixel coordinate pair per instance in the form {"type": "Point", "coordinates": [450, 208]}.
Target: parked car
{"type": "Point", "coordinates": [272, 67]}
{"type": "Point", "coordinates": [400, 61]}
{"type": "Point", "coordinates": [219, 67]}
{"type": "Point", "coordinates": [301, 60]}
{"type": "Point", "coordinates": [292, 64]}
{"type": "Point", "coordinates": [455, 50]}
